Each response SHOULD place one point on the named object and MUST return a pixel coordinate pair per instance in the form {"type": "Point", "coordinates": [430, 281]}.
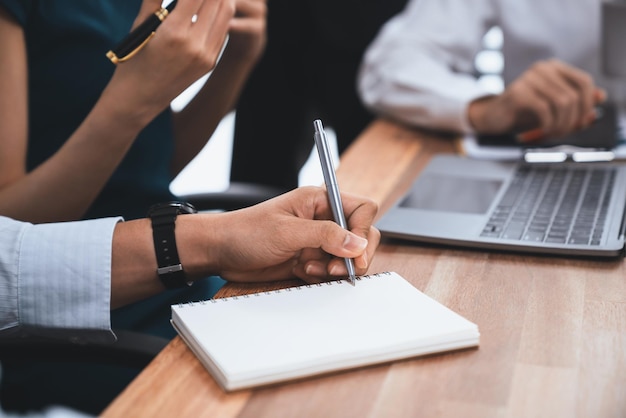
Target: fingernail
{"type": "Point", "coordinates": [315, 269]}
{"type": "Point", "coordinates": [337, 271]}
{"type": "Point", "coordinates": [530, 136]}
{"type": "Point", "coordinates": [362, 261]}
{"type": "Point", "coordinates": [354, 243]}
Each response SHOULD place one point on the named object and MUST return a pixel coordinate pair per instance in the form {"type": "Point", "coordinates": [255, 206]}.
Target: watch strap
{"type": "Point", "coordinates": [170, 269]}
{"type": "Point", "coordinates": [163, 218]}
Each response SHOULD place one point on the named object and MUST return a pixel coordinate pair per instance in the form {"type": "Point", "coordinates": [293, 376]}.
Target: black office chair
{"type": "Point", "coordinates": [126, 358]}
{"type": "Point", "coordinates": [236, 196]}
{"type": "Point", "coordinates": [131, 349]}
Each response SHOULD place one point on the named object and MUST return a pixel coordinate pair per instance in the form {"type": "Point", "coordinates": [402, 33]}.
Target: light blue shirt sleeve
{"type": "Point", "coordinates": [55, 279]}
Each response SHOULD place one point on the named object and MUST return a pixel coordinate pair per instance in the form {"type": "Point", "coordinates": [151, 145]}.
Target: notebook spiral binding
{"type": "Point", "coordinates": [288, 289]}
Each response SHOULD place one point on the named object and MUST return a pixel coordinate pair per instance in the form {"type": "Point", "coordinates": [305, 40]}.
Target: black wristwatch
{"type": "Point", "coordinates": [163, 217]}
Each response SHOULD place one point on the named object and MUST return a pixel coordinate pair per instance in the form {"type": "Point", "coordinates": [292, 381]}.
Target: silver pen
{"type": "Point", "coordinates": [332, 188]}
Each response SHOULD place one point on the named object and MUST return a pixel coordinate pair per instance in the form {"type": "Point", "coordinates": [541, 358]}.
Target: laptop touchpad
{"type": "Point", "coordinates": [452, 194]}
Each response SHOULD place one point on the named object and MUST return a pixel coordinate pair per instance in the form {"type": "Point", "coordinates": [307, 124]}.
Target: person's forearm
{"type": "Point", "coordinates": [134, 265]}
{"type": "Point", "coordinates": [195, 124]}
{"type": "Point", "coordinates": [419, 68]}
{"type": "Point", "coordinates": [417, 90]}
{"type": "Point", "coordinates": [64, 186]}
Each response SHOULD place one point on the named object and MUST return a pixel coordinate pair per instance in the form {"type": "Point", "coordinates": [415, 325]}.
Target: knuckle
{"type": "Point", "coordinates": [586, 80]}
{"type": "Point", "coordinates": [564, 100]}
{"type": "Point", "coordinates": [372, 206]}
{"type": "Point", "coordinates": [540, 65]}
{"type": "Point", "coordinates": [330, 232]}
{"type": "Point", "coordinates": [230, 6]}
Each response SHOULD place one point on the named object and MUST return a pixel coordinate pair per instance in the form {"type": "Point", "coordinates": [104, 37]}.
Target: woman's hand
{"type": "Point", "coordinates": [185, 47]}
{"type": "Point", "coordinates": [247, 36]}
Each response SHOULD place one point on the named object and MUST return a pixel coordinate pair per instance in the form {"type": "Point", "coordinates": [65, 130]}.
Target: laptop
{"type": "Point", "coordinates": [574, 209]}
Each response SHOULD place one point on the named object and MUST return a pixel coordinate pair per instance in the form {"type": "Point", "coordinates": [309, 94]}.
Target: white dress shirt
{"type": "Point", "coordinates": [420, 68]}
{"type": "Point", "coordinates": [55, 279]}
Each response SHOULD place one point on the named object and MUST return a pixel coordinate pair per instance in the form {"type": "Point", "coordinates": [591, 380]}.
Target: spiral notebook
{"type": "Point", "coordinates": [288, 334]}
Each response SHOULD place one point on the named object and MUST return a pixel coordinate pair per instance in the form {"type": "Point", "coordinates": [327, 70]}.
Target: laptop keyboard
{"type": "Point", "coordinates": [554, 204]}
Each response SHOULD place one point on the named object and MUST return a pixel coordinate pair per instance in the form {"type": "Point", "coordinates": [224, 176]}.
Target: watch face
{"type": "Point", "coordinates": [185, 207]}
{"type": "Point", "coordinates": [169, 207]}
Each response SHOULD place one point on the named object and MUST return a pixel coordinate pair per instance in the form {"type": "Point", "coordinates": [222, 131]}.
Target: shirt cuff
{"type": "Point", "coordinates": [65, 279]}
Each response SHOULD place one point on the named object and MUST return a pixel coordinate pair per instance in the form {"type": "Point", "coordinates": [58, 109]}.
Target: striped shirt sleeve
{"type": "Point", "coordinates": [55, 279]}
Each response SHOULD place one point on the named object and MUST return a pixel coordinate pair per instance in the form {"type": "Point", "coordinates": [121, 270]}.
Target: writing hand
{"type": "Point", "coordinates": [294, 235]}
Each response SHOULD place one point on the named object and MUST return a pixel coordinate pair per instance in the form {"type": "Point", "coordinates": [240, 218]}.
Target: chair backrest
{"type": "Point", "coordinates": [131, 349]}
{"type": "Point", "coordinates": [237, 196]}
{"type": "Point", "coordinates": [82, 377]}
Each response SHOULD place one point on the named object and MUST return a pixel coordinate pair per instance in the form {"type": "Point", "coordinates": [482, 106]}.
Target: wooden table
{"type": "Point", "coordinates": [553, 330]}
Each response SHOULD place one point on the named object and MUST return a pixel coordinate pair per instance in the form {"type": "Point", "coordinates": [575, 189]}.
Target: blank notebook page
{"type": "Point", "coordinates": [279, 335]}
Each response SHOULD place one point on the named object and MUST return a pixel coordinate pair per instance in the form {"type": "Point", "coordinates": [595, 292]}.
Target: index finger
{"type": "Point", "coordinates": [583, 83]}
{"type": "Point", "coordinates": [360, 213]}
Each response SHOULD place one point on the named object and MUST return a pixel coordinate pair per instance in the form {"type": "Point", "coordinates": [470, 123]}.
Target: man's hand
{"type": "Point", "coordinates": [552, 98]}
{"type": "Point", "coordinates": [293, 235]}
